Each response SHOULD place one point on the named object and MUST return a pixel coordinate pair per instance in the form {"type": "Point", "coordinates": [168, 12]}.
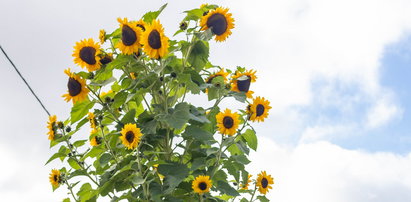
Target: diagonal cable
{"type": "Point", "coordinates": [21, 76]}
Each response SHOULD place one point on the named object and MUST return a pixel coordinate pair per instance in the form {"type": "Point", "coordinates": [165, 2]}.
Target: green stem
{"type": "Point", "coordinates": [102, 103]}
{"type": "Point", "coordinates": [71, 191]}
{"type": "Point", "coordinates": [252, 196]}
{"type": "Point", "coordinates": [108, 145]}
{"type": "Point", "coordinates": [140, 170]}
{"type": "Point", "coordinates": [217, 163]}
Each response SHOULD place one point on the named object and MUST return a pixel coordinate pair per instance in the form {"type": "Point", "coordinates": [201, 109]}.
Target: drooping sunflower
{"type": "Point", "coordinates": [141, 24]}
{"type": "Point", "coordinates": [107, 58]}
{"type": "Point", "coordinates": [52, 126]}
{"type": "Point", "coordinates": [202, 184]}
{"type": "Point", "coordinates": [95, 141]}
{"type": "Point", "coordinates": [264, 182]}
{"type": "Point", "coordinates": [220, 22]}
{"type": "Point", "coordinates": [227, 122]}
{"type": "Point", "coordinates": [102, 36]}
{"type": "Point", "coordinates": [55, 178]}
{"type": "Point", "coordinates": [86, 54]}
{"type": "Point", "coordinates": [155, 43]}
{"type": "Point", "coordinates": [258, 110]}
{"type": "Point", "coordinates": [241, 82]}
{"type": "Point", "coordinates": [77, 90]}
{"type": "Point", "coordinates": [130, 136]}
{"type": "Point", "coordinates": [92, 120]}
{"type": "Point", "coordinates": [130, 37]}
{"type": "Point", "coordinates": [221, 73]}
{"type": "Point", "coordinates": [245, 186]}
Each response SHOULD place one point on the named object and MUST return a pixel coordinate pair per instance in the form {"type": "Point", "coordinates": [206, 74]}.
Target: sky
{"type": "Point", "coordinates": [336, 74]}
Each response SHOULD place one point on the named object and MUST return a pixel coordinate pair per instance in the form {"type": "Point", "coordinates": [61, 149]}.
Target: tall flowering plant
{"type": "Point", "coordinates": [146, 141]}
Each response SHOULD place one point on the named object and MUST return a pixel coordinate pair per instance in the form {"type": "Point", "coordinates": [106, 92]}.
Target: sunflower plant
{"type": "Point", "coordinates": [145, 141]}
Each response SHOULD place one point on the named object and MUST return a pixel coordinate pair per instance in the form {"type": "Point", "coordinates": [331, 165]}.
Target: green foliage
{"type": "Point", "coordinates": [179, 141]}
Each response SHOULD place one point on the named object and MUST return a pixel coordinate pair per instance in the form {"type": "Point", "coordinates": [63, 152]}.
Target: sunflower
{"type": "Point", "coordinates": [52, 126]}
{"type": "Point", "coordinates": [130, 37]}
{"type": "Point", "coordinates": [245, 186]}
{"type": "Point", "coordinates": [264, 182]}
{"type": "Point", "coordinates": [220, 22]}
{"type": "Point", "coordinates": [227, 122]}
{"type": "Point", "coordinates": [102, 36]}
{"type": "Point", "coordinates": [221, 73]}
{"type": "Point", "coordinates": [95, 141]}
{"type": "Point", "coordinates": [202, 184]}
{"type": "Point", "coordinates": [155, 43]}
{"type": "Point", "coordinates": [77, 90]}
{"type": "Point", "coordinates": [133, 75]}
{"type": "Point", "coordinates": [241, 82]}
{"type": "Point", "coordinates": [86, 54]}
{"type": "Point", "coordinates": [107, 58]}
{"type": "Point", "coordinates": [141, 24]}
{"type": "Point", "coordinates": [55, 178]}
{"type": "Point", "coordinates": [92, 120]}
{"type": "Point", "coordinates": [130, 135]}
{"type": "Point", "coordinates": [258, 110]}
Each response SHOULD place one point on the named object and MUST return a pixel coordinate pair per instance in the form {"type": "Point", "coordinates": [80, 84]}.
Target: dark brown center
{"type": "Point", "coordinates": [154, 39]}
{"type": "Point", "coordinates": [228, 122]}
{"type": "Point", "coordinates": [130, 136]}
{"type": "Point", "coordinates": [98, 140]}
{"type": "Point", "coordinates": [202, 186]}
{"type": "Point", "coordinates": [128, 35]}
{"type": "Point", "coordinates": [264, 182]}
{"type": "Point", "coordinates": [217, 23]}
{"type": "Point", "coordinates": [55, 178]}
{"type": "Point", "coordinates": [105, 60]}
{"type": "Point", "coordinates": [244, 85]}
{"type": "Point", "coordinates": [74, 87]}
{"type": "Point", "coordinates": [260, 109]}
{"type": "Point", "coordinates": [87, 54]}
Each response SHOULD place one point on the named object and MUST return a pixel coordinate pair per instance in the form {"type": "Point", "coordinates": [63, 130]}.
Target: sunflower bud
{"type": "Point", "coordinates": [107, 99]}
{"type": "Point", "coordinates": [183, 25]}
{"type": "Point", "coordinates": [173, 74]}
{"type": "Point", "coordinates": [68, 129]}
{"type": "Point", "coordinates": [161, 79]}
{"type": "Point", "coordinates": [60, 125]}
{"type": "Point", "coordinates": [90, 75]}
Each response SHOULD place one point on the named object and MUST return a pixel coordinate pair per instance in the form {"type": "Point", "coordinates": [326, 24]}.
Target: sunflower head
{"type": "Point", "coordinates": [264, 182]}
{"type": "Point", "coordinates": [130, 37]}
{"type": "Point", "coordinates": [258, 110]}
{"type": "Point", "coordinates": [141, 24]}
{"type": "Point", "coordinates": [95, 140]}
{"type": "Point", "coordinates": [221, 73]}
{"type": "Point", "coordinates": [92, 119]}
{"type": "Point", "coordinates": [245, 186]}
{"type": "Point", "coordinates": [202, 184]}
{"type": "Point", "coordinates": [102, 36]}
{"type": "Point", "coordinates": [52, 126]}
{"type": "Point", "coordinates": [55, 178]}
{"type": "Point", "coordinates": [227, 122]}
{"type": "Point", "coordinates": [77, 90]}
{"type": "Point", "coordinates": [242, 80]}
{"type": "Point", "coordinates": [106, 58]}
{"type": "Point", "coordinates": [220, 22]}
{"type": "Point", "coordinates": [155, 43]}
{"type": "Point", "coordinates": [86, 54]}
{"type": "Point", "coordinates": [130, 136]}
{"type": "Point", "coordinates": [133, 75]}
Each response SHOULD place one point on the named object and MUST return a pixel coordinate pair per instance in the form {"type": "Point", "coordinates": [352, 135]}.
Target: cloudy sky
{"type": "Point", "coordinates": [337, 74]}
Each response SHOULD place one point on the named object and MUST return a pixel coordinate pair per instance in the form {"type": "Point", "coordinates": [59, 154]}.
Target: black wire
{"type": "Point", "coordinates": [18, 72]}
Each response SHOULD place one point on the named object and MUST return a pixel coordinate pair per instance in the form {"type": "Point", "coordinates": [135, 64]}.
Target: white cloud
{"type": "Point", "coordinates": [322, 172]}
{"type": "Point", "coordinates": [381, 113]}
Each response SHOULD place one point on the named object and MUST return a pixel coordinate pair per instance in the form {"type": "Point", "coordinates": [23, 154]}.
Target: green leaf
{"type": "Point", "coordinates": [79, 143]}
{"type": "Point", "coordinates": [66, 200]}
{"type": "Point", "coordinates": [79, 110]}
{"type": "Point", "coordinates": [242, 159]}
{"type": "Point", "coordinates": [119, 99]}
{"type": "Point", "coordinates": [73, 164]}
{"type": "Point", "coordinates": [104, 159]}
{"type": "Point", "coordinates": [152, 15]}
{"type": "Point", "coordinates": [81, 123]}
{"type": "Point", "coordinates": [178, 116]}
{"type": "Point", "coordinates": [129, 117]}
{"type": "Point", "coordinates": [225, 188]}
{"type": "Point", "coordinates": [174, 174]}
{"type": "Point", "coordinates": [251, 139]}
{"type": "Point", "coordinates": [186, 79]}
{"type": "Point", "coordinates": [56, 155]}
{"type": "Point", "coordinates": [86, 192]}
{"type": "Point", "coordinates": [225, 197]}
{"type": "Point", "coordinates": [197, 133]}
{"type": "Point", "coordinates": [263, 198]}
{"type": "Point", "coordinates": [234, 150]}
{"type": "Point", "coordinates": [199, 55]}
{"type": "Point", "coordinates": [104, 82]}
{"type": "Point", "coordinates": [194, 14]}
